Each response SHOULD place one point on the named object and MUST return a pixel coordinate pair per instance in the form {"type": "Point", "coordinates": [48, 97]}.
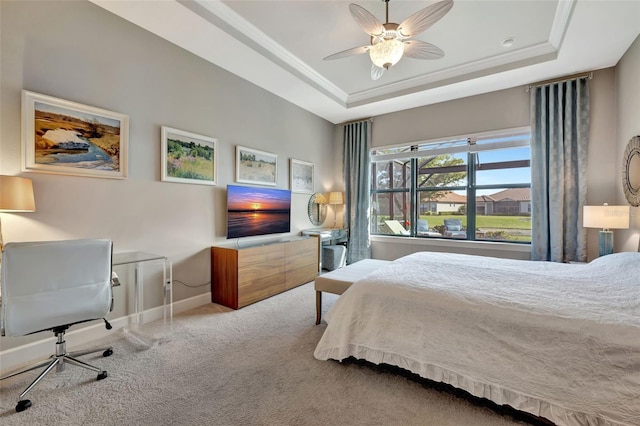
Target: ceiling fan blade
{"type": "Point", "coordinates": [424, 18]}
{"type": "Point", "coordinates": [419, 49]}
{"type": "Point", "coordinates": [376, 72]}
{"type": "Point", "coordinates": [369, 23]}
{"type": "Point", "coordinates": [349, 52]}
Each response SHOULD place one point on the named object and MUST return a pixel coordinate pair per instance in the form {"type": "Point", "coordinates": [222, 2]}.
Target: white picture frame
{"type": "Point", "coordinates": [256, 167]}
{"type": "Point", "coordinates": [69, 138]}
{"type": "Point", "coordinates": [301, 175]}
{"type": "Point", "coordinates": [188, 157]}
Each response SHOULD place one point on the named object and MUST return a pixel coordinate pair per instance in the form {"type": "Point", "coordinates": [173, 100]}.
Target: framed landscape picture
{"type": "Point", "coordinates": [256, 167]}
{"type": "Point", "coordinates": [64, 137]}
{"type": "Point", "coordinates": [301, 174]}
{"type": "Point", "coordinates": [188, 157]}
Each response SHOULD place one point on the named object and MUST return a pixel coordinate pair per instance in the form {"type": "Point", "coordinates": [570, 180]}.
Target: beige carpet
{"type": "Point", "coordinates": [254, 366]}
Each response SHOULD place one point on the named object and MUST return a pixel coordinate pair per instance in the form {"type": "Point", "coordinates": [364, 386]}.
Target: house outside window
{"type": "Point", "coordinates": [476, 187]}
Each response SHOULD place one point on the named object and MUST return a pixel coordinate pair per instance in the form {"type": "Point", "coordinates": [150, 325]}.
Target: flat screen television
{"type": "Point", "coordinates": [255, 211]}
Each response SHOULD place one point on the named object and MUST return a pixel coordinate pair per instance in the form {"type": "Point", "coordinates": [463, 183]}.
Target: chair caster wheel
{"type": "Point", "coordinates": [102, 375]}
{"type": "Point", "coordinates": [107, 353]}
{"type": "Point", "coordinates": [23, 405]}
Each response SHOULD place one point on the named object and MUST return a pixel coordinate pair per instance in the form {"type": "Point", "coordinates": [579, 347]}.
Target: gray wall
{"type": "Point", "coordinates": [493, 111]}
{"type": "Point", "coordinates": [628, 126]}
{"type": "Point", "coordinates": [77, 51]}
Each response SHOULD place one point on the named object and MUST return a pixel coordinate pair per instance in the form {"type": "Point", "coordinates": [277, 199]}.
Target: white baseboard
{"type": "Point", "coordinates": [14, 358]}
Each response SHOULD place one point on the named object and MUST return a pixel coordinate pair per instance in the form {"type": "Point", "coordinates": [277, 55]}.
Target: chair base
{"type": "Point", "coordinates": [58, 360]}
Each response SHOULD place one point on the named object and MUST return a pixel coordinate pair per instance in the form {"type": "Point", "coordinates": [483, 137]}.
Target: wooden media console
{"type": "Point", "coordinates": [241, 276]}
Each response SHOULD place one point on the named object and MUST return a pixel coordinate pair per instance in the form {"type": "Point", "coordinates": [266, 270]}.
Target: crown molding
{"type": "Point", "coordinates": [237, 24]}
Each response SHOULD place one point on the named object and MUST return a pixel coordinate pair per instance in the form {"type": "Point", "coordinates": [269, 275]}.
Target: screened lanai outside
{"type": "Point", "coordinates": [481, 182]}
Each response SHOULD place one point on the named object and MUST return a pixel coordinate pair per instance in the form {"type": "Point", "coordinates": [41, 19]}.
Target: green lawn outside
{"type": "Point", "coordinates": [492, 222]}
{"type": "Point", "coordinates": [502, 228]}
{"type": "Point", "coordinates": [497, 228]}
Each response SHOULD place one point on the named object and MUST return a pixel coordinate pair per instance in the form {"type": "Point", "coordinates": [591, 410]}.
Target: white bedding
{"type": "Point", "coordinates": [560, 341]}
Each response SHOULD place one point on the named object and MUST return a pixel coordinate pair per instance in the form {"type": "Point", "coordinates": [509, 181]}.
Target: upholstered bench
{"type": "Point", "coordinates": [338, 281]}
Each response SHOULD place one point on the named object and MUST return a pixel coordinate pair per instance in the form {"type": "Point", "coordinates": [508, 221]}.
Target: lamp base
{"type": "Point", "coordinates": [605, 242]}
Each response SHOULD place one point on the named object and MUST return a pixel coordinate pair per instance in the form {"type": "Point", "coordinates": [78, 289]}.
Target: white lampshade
{"type": "Point", "coordinates": [16, 194]}
{"type": "Point", "coordinates": [336, 198]}
{"type": "Point", "coordinates": [386, 53]}
{"type": "Point", "coordinates": [606, 217]}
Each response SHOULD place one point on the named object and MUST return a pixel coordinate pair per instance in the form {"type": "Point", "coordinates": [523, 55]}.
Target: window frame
{"type": "Point", "coordinates": [515, 137]}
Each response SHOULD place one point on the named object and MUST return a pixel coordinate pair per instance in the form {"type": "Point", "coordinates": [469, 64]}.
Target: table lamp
{"type": "Point", "coordinates": [335, 198]}
{"type": "Point", "coordinates": [606, 217]}
{"type": "Point", "coordinates": [16, 196]}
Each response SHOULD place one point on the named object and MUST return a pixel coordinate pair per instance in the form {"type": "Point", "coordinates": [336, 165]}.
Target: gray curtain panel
{"type": "Point", "coordinates": [560, 138]}
{"type": "Point", "coordinates": [357, 138]}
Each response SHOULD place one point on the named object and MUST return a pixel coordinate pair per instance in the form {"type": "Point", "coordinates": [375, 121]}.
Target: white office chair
{"type": "Point", "coordinates": [51, 286]}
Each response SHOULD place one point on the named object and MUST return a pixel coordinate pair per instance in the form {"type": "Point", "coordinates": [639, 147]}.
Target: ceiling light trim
{"type": "Point", "coordinates": [225, 13]}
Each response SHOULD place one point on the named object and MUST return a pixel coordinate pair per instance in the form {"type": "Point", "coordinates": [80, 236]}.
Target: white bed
{"type": "Point", "coordinates": [559, 341]}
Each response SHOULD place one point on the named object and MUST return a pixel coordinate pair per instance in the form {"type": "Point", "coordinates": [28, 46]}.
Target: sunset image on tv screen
{"type": "Point", "coordinates": [257, 211]}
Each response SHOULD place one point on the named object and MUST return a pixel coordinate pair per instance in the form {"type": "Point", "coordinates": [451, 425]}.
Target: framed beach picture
{"type": "Point", "coordinates": [188, 157]}
{"type": "Point", "coordinates": [256, 167]}
{"type": "Point", "coordinates": [68, 138]}
{"type": "Point", "coordinates": [301, 174]}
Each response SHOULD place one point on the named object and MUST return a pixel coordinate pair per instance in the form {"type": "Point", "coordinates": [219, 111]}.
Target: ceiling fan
{"type": "Point", "coordinates": [390, 41]}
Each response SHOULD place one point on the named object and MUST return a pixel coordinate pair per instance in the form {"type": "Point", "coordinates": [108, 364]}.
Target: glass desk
{"type": "Point", "coordinates": [329, 236]}
{"type": "Point", "coordinates": [138, 259]}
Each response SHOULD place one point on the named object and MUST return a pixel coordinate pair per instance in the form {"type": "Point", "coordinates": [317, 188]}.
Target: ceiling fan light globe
{"type": "Point", "coordinates": [386, 53]}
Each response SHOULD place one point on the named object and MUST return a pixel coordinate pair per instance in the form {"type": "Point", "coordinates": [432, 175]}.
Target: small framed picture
{"type": "Point", "coordinates": [256, 167]}
{"type": "Point", "coordinates": [188, 157]}
{"type": "Point", "coordinates": [68, 138]}
{"type": "Point", "coordinates": [301, 174]}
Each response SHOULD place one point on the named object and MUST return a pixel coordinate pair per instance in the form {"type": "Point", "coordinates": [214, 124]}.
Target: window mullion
{"type": "Point", "coordinates": [471, 195]}
{"type": "Point", "coordinates": [415, 205]}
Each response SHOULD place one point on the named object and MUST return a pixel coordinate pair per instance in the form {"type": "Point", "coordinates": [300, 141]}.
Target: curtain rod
{"type": "Point", "coordinates": [588, 75]}
{"type": "Point", "coordinates": [370, 120]}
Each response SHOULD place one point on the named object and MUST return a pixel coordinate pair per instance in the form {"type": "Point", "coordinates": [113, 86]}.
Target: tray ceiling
{"type": "Point", "coordinates": [280, 46]}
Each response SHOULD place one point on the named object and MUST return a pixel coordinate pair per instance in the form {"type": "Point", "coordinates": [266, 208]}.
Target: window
{"type": "Point", "coordinates": [445, 188]}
